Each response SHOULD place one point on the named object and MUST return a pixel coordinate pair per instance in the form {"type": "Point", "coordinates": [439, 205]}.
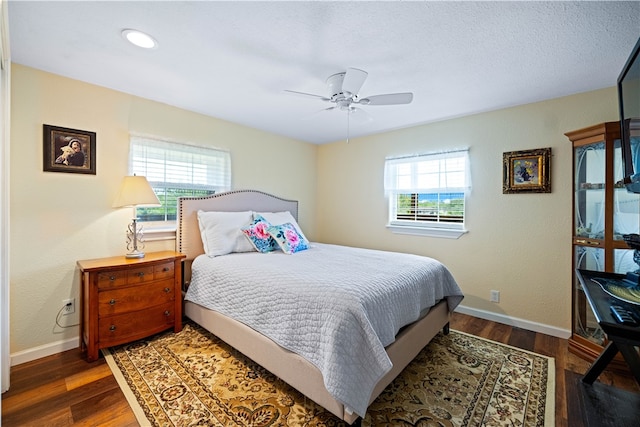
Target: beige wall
{"type": "Point", "coordinates": [519, 244]}
{"type": "Point", "coordinates": [58, 218]}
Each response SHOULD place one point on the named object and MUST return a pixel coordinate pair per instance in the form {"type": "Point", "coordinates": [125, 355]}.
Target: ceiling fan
{"type": "Point", "coordinates": [344, 92]}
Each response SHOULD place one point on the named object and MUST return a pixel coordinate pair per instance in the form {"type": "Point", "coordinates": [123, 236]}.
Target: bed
{"type": "Point", "coordinates": [325, 377]}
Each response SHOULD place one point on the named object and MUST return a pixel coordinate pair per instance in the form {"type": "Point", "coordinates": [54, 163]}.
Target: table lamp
{"type": "Point", "coordinates": [135, 191]}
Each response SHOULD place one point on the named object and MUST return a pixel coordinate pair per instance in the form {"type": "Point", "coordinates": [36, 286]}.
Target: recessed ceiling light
{"type": "Point", "coordinates": [139, 39]}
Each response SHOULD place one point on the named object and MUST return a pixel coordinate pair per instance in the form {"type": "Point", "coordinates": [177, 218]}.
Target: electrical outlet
{"type": "Point", "coordinates": [494, 296]}
{"type": "Point", "coordinates": [69, 306]}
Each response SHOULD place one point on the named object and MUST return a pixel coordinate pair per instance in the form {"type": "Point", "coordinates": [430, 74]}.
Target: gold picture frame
{"type": "Point", "coordinates": [527, 171]}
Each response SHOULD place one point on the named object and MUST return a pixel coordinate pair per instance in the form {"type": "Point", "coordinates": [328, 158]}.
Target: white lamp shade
{"type": "Point", "coordinates": [136, 191]}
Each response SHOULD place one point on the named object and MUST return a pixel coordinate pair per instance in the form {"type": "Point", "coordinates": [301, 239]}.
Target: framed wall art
{"type": "Point", "coordinates": [527, 171]}
{"type": "Point", "coordinates": [68, 150]}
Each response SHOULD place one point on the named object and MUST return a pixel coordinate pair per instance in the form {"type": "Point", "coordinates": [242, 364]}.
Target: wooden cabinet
{"type": "Point", "coordinates": [125, 299]}
{"type": "Point", "coordinates": [603, 211]}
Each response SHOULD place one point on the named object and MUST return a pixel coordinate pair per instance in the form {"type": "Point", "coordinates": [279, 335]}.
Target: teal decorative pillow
{"type": "Point", "coordinates": [258, 235]}
{"type": "Point", "coordinates": [277, 218]}
{"type": "Point", "coordinates": [288, 238]}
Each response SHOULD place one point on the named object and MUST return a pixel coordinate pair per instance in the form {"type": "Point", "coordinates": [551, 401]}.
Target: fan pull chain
{"type": "Point", "coordinates": [348, 122]}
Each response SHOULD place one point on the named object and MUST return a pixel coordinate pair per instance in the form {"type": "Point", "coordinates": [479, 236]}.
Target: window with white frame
{"type": "Point", "coordinates": [175, 170]}
{"type": "Point", "coordinates": [427, 193]}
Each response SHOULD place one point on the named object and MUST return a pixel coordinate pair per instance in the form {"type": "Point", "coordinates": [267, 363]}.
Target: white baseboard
{"type": "Point", "coordinates": [44, 351]}
{"type": "Point", "coordinates": [71, 343]}
{"type": "Point", "coordinates": [514, 321]}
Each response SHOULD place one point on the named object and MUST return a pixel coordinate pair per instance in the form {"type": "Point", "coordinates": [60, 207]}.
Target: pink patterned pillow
{"type": "Point", "coordinates": [288, 238]}
{"type": "Point", "coordinates": [258, 235]}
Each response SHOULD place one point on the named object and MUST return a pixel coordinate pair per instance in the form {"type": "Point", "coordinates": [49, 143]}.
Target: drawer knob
{"type": "Point", "coordinates": [112, 302]}
{"type": "Point", "coordinates": [112, 328]}
{"type": "Point", "coordinates": [166, 269]}
{"type": "Point", "coordinates": [167, 290]}
{"type": "Point", "coordinates": [167, 313]}
{"type": "Point", "coordinates": [141, 274]}
{"type": "Point", "coordinates": [112, 278]}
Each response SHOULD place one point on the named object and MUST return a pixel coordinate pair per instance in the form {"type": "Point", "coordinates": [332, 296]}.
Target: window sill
{"type": "Point", "coordinates": [156, 233]}
{"type": "Point", "coordinates": [445, 233]}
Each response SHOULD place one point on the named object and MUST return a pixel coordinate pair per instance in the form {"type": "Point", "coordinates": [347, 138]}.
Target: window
{"type": "Point", "coordinates": [176, 170]}
{"type": "Point", "coordinates": [427, 193]}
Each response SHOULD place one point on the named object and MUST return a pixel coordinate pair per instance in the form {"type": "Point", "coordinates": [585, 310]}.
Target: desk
{"type": "Point", "coordinates": [622, 338]}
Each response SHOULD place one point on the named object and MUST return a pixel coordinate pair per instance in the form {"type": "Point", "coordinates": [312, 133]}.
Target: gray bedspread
{"type": "Point", "coordinates": [336, 306]}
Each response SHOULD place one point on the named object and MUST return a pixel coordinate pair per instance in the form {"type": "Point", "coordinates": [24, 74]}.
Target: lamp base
{"type": "Point", "coordinates": [135, 254]}
{"type": "Point", "coordinates": [134, 234]}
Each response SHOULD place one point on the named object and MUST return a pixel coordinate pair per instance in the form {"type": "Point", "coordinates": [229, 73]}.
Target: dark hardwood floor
{"type": "Point", "coordinates": [63, 389]}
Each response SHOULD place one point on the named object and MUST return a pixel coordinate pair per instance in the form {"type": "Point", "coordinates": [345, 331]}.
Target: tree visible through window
{"type": "Point", "coordinates": [175, 170]}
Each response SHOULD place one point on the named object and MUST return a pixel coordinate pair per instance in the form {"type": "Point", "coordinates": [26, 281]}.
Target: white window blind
{"type": "Point", "coordinates": [177, 165]}
{"type": "Point", "coordinates": [174, 170]}
{"type": "Point", "coordinates": [428, 173]}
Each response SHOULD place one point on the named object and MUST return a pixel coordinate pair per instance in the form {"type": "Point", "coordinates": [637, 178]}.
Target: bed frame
{"type": "Point", "coordinates": [293, 369]}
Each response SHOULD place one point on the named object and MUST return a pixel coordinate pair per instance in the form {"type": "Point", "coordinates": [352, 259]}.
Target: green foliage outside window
{"type": "Point", "coordinates": [169, 203]}
{"type": "Point", "coordinates": [435, 207]}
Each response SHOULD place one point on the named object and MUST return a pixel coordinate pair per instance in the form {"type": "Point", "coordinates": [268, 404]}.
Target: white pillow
{"type": "Point", "coordinates": [221, 232]}
{"type": "Point", "coordinates": [279, 218]}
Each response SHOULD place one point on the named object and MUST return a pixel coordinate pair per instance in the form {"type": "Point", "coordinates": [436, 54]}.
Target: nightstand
{"type": "Point", "coordinates": [124, 299]}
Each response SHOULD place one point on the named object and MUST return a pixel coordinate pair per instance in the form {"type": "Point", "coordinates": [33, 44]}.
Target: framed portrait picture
{"type": "Point", "coordinates": [527, 171]}
{"type": "Point", "coordinates": [68, 150]}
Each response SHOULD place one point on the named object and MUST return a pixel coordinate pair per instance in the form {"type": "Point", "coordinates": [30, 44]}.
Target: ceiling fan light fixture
{"type": "Point", "coordinates": [140, 39]}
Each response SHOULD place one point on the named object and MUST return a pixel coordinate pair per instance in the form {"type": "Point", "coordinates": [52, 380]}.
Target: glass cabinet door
{"type": "Point", "coordinates": [626, 205]}
{"type": "Point", "coordinates": [584, 321]}
{"type": "Point", "coordinates": [589, 191]}
{"type": "Point", "coordinates": [623, 261]}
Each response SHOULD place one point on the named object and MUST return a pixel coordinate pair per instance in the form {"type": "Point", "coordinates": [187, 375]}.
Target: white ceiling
{"type": "Point", "coordinates": [233, 60]}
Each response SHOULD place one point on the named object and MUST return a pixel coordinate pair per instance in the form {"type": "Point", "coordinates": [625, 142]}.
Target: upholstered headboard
{"type": "Point", "coordinates": [188, 240]}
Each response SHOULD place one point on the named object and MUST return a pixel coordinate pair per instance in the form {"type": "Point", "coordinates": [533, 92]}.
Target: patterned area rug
{"type": "Point", "coordinates": [193, 378]}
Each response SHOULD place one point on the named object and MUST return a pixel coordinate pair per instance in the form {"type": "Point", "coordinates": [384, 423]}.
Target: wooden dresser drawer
{"type": "Point", "coordinates": [163, 271]}
{"type": "Point", "coordinates": [114, 330]}
{"type": "Point", "coordinates": [136, 298]}
{"type": "Point", "coordinates": [115, 278]}
{"type": "Point", "coordinates": [140, 275]}
{"type": "Point", "coordinates": [112, 279]}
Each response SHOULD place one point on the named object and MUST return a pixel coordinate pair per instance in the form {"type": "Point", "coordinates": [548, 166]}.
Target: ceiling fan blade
{"type": "Point", "coordinates": [388, 99]}
{"type": "Point", "coordinates": [353, 80]}
{"type": "Point", "coordinates": [323, 98]}
{"type": "Point", "coordinates": [318, 113]}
